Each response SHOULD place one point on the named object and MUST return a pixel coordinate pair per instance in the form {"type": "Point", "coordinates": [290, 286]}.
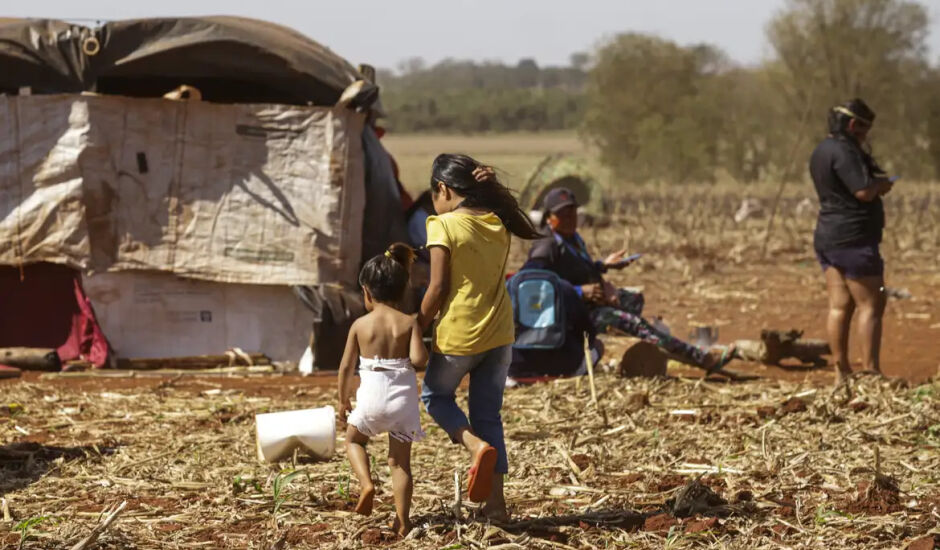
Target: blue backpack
{"type": "Point", "coordinates": [538, 308]}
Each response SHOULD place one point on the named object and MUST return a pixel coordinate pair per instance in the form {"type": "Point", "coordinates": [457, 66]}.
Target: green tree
{"type": "Point", "coordinates": [829, 51]}
{"type": "Point", "coordinates": [932, 116]}
{"type": "Point", "coordinates": [464, 96]}
{"type": "Point", "coordinates": [646, 111]}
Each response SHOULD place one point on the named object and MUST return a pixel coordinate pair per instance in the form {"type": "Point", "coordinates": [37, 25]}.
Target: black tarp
{"type": "Point", "coordinates": [229, 59]}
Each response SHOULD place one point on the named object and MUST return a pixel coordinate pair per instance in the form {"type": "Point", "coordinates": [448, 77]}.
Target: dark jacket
{"type": "Point", "coordinates": [840, 168]}
{"type": "Point", "coordinates": [566, 257]}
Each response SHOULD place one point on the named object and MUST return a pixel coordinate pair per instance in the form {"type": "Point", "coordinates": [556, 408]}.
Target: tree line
{"type": "Point", "coordinates": [658, 110]}
{"type": "Point", "coordinates": [469, 97]}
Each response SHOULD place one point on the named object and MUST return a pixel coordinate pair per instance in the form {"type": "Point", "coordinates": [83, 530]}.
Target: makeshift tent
{"type": "Point", "coordinates": [230, 59]}
{"type": "Point", "coordinates": [222, 205]}
{"type": "Point", "coordinates": [562, 170]}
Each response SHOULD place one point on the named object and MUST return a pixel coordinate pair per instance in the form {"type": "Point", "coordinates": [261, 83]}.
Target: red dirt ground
{"type": "Point", "coordinates": [739, 299]}
{"type": "Point", "coordinates": [791, 294]}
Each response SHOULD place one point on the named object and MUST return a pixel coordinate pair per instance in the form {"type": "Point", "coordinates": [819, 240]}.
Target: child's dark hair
{"type": "Point", "coordinates": [386, 276]}
{"type": "Point", "coordinates": [456, 172]}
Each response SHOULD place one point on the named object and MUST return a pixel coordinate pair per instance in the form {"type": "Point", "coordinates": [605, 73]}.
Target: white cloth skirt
{"type": "Point", "coordinates": [387, 400]}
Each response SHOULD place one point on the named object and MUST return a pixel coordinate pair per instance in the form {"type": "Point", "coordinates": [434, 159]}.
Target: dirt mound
{"type": "Point", "coordinates": [793, 405]}
{"type": "Point", "coordinates": [879, 497]}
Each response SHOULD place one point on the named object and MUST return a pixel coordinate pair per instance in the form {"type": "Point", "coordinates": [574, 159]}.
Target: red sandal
{"type": "Point", "coordinates": [480, 481]}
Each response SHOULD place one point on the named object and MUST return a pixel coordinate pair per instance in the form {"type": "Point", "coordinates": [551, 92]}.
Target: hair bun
{"type": "Point", "coordinates": [401, 253]}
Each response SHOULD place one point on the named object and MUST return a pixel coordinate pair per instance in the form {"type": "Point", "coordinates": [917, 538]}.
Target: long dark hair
{"type": "Point", "coordinates": [840, 115]}
{"type": "Point", "coordinates": [456, 172]}
{"type": "Point", "coordinates": [386, 276]}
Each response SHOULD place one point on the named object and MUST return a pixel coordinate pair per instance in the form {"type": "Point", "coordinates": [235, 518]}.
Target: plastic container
{"type": "Point", "coordinates": [305, 366]}
{"type": "Point", "coordinates": [661, 325]}
{"type": "Point", "coordinates": [704, 336]}
{"type": "Point", "coordinates": [311, 430]}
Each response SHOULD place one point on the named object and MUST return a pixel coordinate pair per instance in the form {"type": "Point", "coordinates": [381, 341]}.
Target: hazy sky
{"type": "Point", "coordinates": [383, 32]}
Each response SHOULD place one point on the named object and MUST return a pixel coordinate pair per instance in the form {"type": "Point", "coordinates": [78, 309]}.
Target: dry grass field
{"type": "Point", "coordinates": [788, 466]}
{"type": "Point", "coordinates": [514, 154]}
{"type": "Point", "coordinates": [781, 461]}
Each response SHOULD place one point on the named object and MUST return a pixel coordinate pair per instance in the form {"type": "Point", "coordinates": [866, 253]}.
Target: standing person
{"type": "Point", "coordinates": [848, 233]}
{"type": "Point", "coordinates": [387, 344]}
{"type": "Point", "coordinates": [469, 245]}
{"type": "Point", "coordinates": [562, 250]}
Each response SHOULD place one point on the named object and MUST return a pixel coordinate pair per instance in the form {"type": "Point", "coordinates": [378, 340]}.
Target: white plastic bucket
{"type": "Point", "coordinates": [311, 430]}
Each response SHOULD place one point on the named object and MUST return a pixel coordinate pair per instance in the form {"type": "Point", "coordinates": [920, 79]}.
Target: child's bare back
{"type": "Point", "coordinates": [388, 333]}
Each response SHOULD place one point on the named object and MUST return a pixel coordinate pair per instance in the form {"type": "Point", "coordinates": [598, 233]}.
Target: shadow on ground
{"type": "Point", "coordinates": [22, 464]}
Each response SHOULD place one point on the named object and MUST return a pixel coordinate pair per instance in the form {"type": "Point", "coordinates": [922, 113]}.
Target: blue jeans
{"type": "Point", "coordinates": [487, 382]}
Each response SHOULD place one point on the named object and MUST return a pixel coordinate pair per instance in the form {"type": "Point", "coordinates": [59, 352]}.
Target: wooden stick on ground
{"type": "Point", "coordinates": [589, 361]}
{"type": "Point", "coordinates": [196, 362]}
{"type": "Point", "coordinates": [458, 504]}
{"type": "Point", "coordinates": [731, 375]}
{"type": "Point", "coordinates": [100, 528]}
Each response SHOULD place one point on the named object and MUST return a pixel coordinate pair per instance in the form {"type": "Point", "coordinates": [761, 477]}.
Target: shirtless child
{"type": "Point", "coordinates": [387, 344]}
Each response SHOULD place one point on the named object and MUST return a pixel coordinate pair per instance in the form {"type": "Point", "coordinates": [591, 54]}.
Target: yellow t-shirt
{"type": "Point", "coordinates": [477, 313]}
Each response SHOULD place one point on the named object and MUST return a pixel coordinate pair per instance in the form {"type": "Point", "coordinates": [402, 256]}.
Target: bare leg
{"type": "Point", "coordinates": [470, 440]}
{"type": "Point", "coordinates": [870, 299]}
{"type": "Point", "coordinates": [841, 308]}
{"type": "Point", "coordinates": [495, 507]}
{"type": "Point", "coordinates": [399, 460]}
{"type": "Point", "coordinates": [359, 461]}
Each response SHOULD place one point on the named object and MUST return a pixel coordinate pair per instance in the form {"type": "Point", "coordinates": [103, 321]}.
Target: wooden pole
{"type": "Point", "coordinates": [787, 174]}
{"type": "Point", "coordinates": [589, 361]}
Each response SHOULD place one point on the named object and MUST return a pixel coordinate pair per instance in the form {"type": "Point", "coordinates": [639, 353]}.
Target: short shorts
{"type": "Point", "coordinates": [854, 262]}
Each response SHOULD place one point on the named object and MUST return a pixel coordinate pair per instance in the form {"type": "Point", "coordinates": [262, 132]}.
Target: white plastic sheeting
{"type": "Point", "coordinates": [262, 194]}
{"type": "Point", "coordinates": [146, 314]}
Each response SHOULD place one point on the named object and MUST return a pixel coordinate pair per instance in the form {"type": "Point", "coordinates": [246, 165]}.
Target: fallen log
{"type": "Point", "coordinates": [777, 345]}
{"type": "Point", "coordinates": [42, 359]}
{"type": "Point", "coordinates": [257, 370]}
{"type": "Point", "coordinates": [197, 362]}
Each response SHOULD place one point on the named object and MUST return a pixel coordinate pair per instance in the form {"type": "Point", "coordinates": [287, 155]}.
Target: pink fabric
{"type": "Point", "coordinates": [47, 308]}
{"type": "Point", "coordinates": [86, 340]}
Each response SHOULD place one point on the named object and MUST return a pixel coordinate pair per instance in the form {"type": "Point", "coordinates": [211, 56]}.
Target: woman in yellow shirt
{"type": "Point", "coordinates": [469, 244]}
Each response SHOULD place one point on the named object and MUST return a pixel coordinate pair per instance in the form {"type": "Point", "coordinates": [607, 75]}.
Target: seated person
{"type": "Point", "coordinates": [563, 251]}
{"type": "Point", "coordinates": [416, 216]}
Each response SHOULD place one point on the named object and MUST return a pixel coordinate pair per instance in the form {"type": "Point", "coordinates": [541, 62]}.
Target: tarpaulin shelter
{"type": "Point", "coordinates": [230, 59]}
{"type": "Point", "coordinates": [573, 172]}
{"type": "Point", "coordinates": [190, 220]}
